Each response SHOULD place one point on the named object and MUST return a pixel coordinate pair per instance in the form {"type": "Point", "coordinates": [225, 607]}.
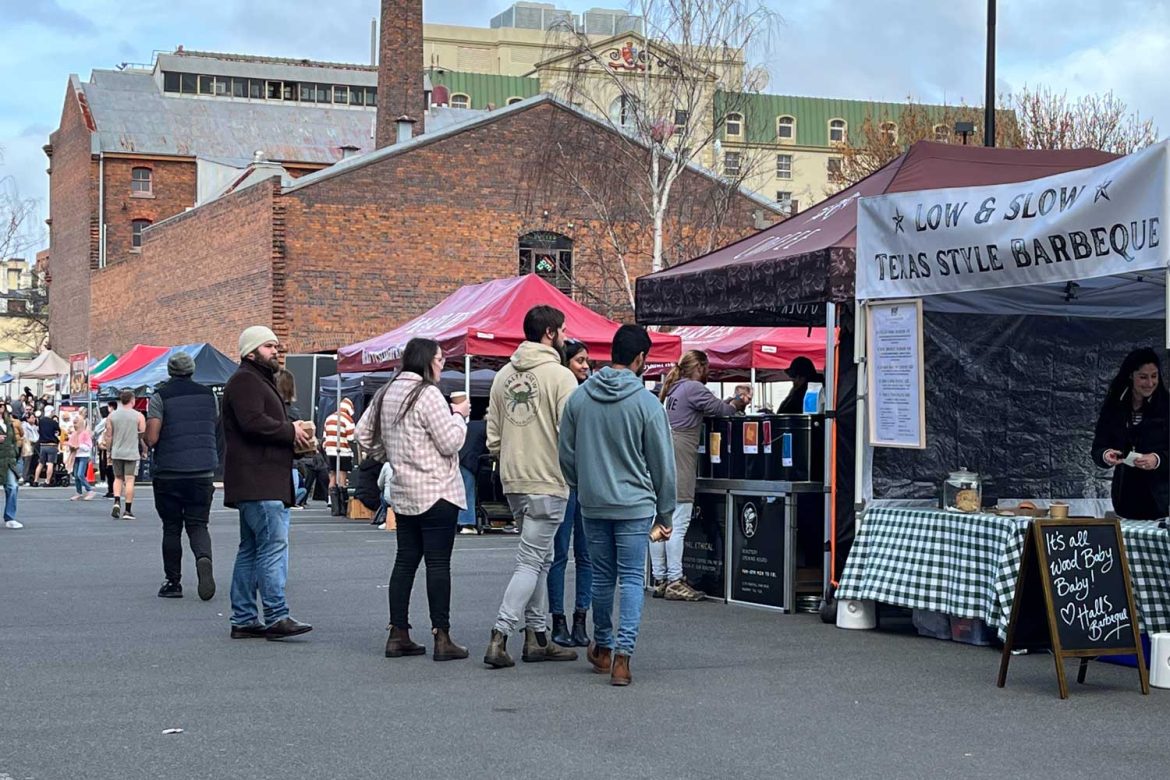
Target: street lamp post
{"type": "Point", "coordinates": [989, 100]}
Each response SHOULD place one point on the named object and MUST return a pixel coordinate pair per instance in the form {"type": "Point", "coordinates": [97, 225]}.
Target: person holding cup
{"type": "Point", "coordinates": [9, 458]}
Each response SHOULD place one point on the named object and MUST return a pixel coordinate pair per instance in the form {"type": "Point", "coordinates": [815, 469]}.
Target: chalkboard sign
{"type": "Point", "coordinates": [1073, 597]}
{"type": "Point", "coordinates": [757, 550]}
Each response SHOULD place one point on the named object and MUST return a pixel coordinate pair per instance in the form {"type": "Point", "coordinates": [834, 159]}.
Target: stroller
{"type": "Point", "coordinates": [492, 512]}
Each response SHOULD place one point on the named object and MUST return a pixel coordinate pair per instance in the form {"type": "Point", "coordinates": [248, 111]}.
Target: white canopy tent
{"type": "Point", "coordinates": [47, 365]}
{"type": "Point", "coordinates": [1089, 243]}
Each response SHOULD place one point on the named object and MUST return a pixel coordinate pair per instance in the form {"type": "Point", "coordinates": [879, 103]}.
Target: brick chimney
{"type": "Point", "coordinates": [400, 69]}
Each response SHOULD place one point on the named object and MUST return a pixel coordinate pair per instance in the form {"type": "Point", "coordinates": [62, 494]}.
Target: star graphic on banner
{"type": "Point", "coordinates": [898, 217]}
{"type": "Point", "coordinates": [1103, 191]}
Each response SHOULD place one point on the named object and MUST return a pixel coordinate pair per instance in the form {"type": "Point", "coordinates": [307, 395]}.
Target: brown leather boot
{"type": "Point", "coordinates": [600, 657]}
{"type": "Point", "coordinates": [445, 649]}
{"type": "Point", "coordinates": [620, 674]}
{"type": "Point", "coordinates": [497, 651]}
{"type": "Point", "coordinates": [400, 644]}
{"type": "Point", "coordinates": [537, 647]}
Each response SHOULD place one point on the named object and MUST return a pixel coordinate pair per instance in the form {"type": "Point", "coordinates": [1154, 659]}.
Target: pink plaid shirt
{"type": "Point", "coordinates": [422, 448]}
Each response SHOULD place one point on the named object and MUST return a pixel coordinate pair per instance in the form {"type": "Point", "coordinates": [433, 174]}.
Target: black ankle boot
{"type": "Point", "coordinates": [579, 636]}
{"type": "Point", "coordinates": [560, 631]}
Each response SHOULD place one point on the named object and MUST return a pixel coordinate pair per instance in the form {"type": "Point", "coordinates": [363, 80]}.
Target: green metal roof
{"type": "Point", "coordinates": [484, 88]}
{"type": "Point", "coordinates": [812, 115]}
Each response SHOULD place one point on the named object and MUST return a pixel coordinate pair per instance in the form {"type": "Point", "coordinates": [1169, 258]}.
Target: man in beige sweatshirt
{"type": "Point", "coordinates": [524, 419]}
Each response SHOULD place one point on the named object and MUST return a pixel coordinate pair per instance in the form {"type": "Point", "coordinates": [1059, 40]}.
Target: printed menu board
{"type": "Point", "coordinates": [896, 398]}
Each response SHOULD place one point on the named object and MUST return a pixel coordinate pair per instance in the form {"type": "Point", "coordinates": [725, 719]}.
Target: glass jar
{"type": "Point", "coordinates": [963, 491]}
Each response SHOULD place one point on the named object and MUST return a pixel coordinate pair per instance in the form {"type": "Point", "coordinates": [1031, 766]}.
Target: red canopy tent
{"type": "Point", "coordinates": [138, 356]}
{"type": "Point", "coordinates": [487, 320]}
{"type": "Point", "coordinates": [762, 349]}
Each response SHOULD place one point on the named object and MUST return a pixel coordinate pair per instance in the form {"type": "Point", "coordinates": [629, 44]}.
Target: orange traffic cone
{"type": "Point", "coordinates": [89, 472]}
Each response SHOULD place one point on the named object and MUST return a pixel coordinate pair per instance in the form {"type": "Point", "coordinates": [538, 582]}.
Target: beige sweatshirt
{"type": "Point", "coordinates": [524, 418]}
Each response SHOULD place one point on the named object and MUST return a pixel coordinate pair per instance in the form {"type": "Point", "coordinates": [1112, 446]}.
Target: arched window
{"type": "Point", "coordinates": [837, 130]}
{"type": "Point", "coordinates": [942, 134]}
{"type": "Point", "coordinates": [136, 228]}
{"type": "Point", "coordinates": [889, 131]}
{"type": "Point", "coordinates": [141, 181]}
{"type": "Point", "coordinates": [460, 100]}
{"type": "Point", "coordinates": [550, 256]}
{"type": "Point", "coordinates": [512, 100]}
{"type": "Point", "coordinates": [733, 125]}
{"type": "Point", "coordinates": [786, 128]}
{"type": "Point", "coordinates": [623, 112]}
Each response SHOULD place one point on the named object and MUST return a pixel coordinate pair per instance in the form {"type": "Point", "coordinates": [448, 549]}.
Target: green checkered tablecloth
{"type": "Point", "coordinates": [966, 565]}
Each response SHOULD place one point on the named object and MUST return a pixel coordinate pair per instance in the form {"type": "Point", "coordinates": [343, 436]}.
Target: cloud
{"type": "Point", "coordinates": [48, 14]}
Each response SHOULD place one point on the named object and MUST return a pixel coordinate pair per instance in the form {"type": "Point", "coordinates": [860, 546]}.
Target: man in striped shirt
{"type": "Point", "coordinates": [339, 429]}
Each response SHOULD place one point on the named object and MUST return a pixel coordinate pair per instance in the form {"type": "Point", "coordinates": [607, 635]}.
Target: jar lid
{"type": "Point", "coordinates": [964, 474]}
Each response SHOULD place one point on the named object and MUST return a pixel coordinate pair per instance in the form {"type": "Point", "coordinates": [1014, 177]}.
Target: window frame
{"type": "Point", "coordinates": [791, 125]}
{"type": "Point", "coordinates": [513, 100]}
{"type": "Point", "coordinates": [136, 228]}
{"type": "Point", "coordinates": [728, 122]}
{"type": "Point", "coordinates": [781, 173]}
{"type": "Point", "coordinates": [738, 163]}
{"type": "Point", "coordinates": [889, 132]}
{"type": "Point", "coordinates": [463, 98]}
{"type": "Point", "coordinates": [136, 190]}
{"type": "Point", "coordinates": [945, 135]}
{"type": "Point", "coordinates": [781, 201]}
{"type": "Point", "coordinates": [532, 246]}
{"type": "Point", "coordinates": [833, 168]}
{"type": "Point", "coordinates": [843, 128]}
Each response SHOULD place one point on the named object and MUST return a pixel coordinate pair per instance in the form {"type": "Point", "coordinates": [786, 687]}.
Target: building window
{"type": "Point", "coordinates": [371, 96]}
{"type": "Point", "coordinates": [141, 181]}
{"type": "Point", "coordinates": [188, 83]}
{"type": "Point", "coordinates": [837, 129]}
{"type": "Point", "coordinates": [942, 134]}
{"type": "Point", "coordinates": [136, 227]}
{"type": "Point", "coordinates": [171, 82]}
{"type": "Point", "coordinates": [834, 169]}
{"type": "Point", "coordinates": [459, 100]}
{"type": "Point", "coordinates": [341, 94]}
{"type": "Point", "coordinates": [623, 112]}
{"type": "Point", "coordinates": [733, 125]}
{"type": "Point", "coordinates": [784, 201]}
{"type": "Point", "coordinates": [681, 118]}
{"type": "Point", "coordinates": [731, 163]}
{"type": "Point", "coordinates": [513, 100]}
{"type": "Point", "coordinates": [786, 128]}
{"type": "Point", "coordinates": [889, 132]}
{"type": "Point", "coordinates": [240, 87]}
{"type": "Point", "coordinates": [550, 256]}
{"type": "Point", "coordinates": [783, 166]}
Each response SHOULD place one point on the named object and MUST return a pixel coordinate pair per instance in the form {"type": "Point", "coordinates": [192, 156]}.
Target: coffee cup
{"type": "Point", "coordinates": [458, 397]}
{"type": "Point", "coordinates": [1058, 510]}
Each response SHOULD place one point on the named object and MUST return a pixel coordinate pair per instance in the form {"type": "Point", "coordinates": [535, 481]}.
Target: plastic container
{"type": "Point", "coordinates": [935, 625]}
{"type": "Point", "coordinates": [971, 631]}
{"type": "Point", "coordinates": [962, 491]}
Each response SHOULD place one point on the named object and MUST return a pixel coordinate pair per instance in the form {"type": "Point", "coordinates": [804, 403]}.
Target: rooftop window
{"type": "Point", "coordinates": [240, 87]}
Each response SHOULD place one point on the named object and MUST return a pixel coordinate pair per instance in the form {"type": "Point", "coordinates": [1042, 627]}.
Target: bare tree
{"type": "Point", "coordinates": [667, 94]}
{"type": "Point", "coordinates": [1049, 120]}
{"type": "Point", "coordinates": [27, 309]}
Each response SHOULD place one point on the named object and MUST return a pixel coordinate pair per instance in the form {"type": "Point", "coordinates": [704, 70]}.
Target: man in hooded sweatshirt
{"type": "Point", "coordinates": [524, 417]}
{"type": "Point", "coordinates": [615, 449]}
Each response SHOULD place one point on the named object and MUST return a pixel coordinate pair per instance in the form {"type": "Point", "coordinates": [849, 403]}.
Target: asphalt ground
{"type": "Point", "coordinates": [94, 667]}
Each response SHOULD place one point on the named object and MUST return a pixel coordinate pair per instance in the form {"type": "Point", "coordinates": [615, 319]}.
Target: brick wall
{"type": "Point", "coordinates": [204, 275]}
{"type": "Point", "coordinates": [400, 85]}
{"type": "Point", "coordinates": [73, 230]}
{"type": "Point", "coordinates": [173, 190]}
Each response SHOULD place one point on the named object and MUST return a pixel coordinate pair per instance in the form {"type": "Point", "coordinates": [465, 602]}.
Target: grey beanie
{"type": "Point", "coordinates": [180, 364]}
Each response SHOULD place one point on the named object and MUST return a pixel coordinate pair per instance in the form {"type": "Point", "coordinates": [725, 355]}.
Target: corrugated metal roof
{"type": "Point", "coordinates": [133, 115]}
{"type": "Point", "coordinates": [485, 88]}
{"type": "Point", "coordinates": [812, 115]}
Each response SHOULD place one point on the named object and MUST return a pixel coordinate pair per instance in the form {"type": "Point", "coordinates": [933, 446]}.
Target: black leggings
{"type": "Point", "coordinates": [430, 535]}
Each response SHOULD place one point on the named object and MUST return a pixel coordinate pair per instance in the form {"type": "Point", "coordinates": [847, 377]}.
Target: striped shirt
{"type": "Point", "coordinates": [339, 430]}
{"type": "Point", "coordinates": [422, 448]}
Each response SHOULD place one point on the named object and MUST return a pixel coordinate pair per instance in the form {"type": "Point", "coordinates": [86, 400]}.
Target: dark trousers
{"type": "Point", "coordinates": [430, 535]}
{"type": "Point", "coordinates": [183, 502]}
{"type": "Point", "coordinates": [106, 469]}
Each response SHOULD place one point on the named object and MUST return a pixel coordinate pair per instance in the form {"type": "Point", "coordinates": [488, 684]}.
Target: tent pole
{"type": "Point", "coordinates": [830, 396]}
{"type": "Point", "coordinates": [467, 375]}
{"type": "Point", "coordinates": [337, 457]}
{"type": "Point", "coordinates": [861, 360]}
{"type": "Point", "coordinates": [753, 381]}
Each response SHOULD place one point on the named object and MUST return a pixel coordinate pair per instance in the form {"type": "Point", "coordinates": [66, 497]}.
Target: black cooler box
{"type": "Point", "coordinates": [774, 447]}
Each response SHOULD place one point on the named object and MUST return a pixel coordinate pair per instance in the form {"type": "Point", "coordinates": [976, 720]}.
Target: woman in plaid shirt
{"type": "Point", "coordinates": [421, 435]}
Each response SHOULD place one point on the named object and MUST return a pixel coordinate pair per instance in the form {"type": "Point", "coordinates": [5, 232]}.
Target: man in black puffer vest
{"type": "Point", "coordinates": [181, 427]}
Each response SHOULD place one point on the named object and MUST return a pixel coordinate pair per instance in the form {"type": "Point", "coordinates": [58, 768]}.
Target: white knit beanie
{"type": "Point", "coordinates": [254, 337]}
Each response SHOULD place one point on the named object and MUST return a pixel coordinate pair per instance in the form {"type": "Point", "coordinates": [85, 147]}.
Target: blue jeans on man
{"type": "Point", "coordinates": [618, 551]}
{"type": "Point", "coordinates": [571, 530]}
{"type": "Point", "coordinates": [261, 563]}
{"type": "Point", "coordinates": [467, 516]}
{"type": "Point", "coordinates": [11, 488]}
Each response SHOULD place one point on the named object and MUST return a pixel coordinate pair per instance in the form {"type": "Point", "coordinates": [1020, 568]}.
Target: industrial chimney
{"type": "Point", "coordinates": [400, 64]}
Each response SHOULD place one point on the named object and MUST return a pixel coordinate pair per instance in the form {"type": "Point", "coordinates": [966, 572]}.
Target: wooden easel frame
{"type": "Point", "coordinates": [1036, 555]}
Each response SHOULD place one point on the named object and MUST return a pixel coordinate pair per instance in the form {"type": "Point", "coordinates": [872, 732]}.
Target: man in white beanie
{"type": "Point", "coordinates": [257, 481]}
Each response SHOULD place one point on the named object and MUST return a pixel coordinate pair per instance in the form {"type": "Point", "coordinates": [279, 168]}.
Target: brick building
{"type": "Point", "coordinates": [328, 255]}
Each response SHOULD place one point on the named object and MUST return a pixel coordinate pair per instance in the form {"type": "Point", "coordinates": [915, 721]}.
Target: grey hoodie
{"type": "Point", "coordinates": [616, 451]}
{"type": "Point", "coordinates": [524, 415]}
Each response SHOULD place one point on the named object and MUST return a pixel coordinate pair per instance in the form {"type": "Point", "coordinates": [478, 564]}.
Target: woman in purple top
{"type": "Point", "coordinates": [687, 400]}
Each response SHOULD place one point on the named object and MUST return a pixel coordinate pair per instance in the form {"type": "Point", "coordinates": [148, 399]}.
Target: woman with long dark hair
{"type": "Point", "coordinates": [572, 531]}
{"type": "Point", "coordinates": [421, 435]}
{"type": "Point", "coordinates": [1133, 437]}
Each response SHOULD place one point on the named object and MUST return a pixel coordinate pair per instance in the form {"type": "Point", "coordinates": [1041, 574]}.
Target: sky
{"type": "Point", "coordinates": [861, 49]}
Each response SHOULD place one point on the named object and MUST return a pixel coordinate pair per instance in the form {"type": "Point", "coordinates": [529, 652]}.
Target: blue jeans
{"type": "Point", "coordinates": [261, 563]}
{"type": "Point", "coordinates": [300, 492]}
{"type": "Point", "coordinates": [11, 488]}
{"type": "Point", "coordinates": [572, 529]}
{"type": "Point", "coordinates": [467, 516]}
{"type": "Point", "coordinates": [618, 549]}
{"type": "Point", "coordinates": [80, 483]}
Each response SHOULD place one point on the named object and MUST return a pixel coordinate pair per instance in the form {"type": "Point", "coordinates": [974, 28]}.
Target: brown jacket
{"type": "Point", "coordinates": [258, 438]}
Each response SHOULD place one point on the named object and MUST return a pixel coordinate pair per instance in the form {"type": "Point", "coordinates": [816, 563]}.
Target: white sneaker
{"type": "Point", "coordinates": [468, 529]}
{"type": "Point", "coordinates": [13, 524]}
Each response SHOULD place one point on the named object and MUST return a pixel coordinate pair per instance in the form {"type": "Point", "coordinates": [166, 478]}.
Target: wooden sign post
{"type": "Point", "coordinates": [1074, 597]}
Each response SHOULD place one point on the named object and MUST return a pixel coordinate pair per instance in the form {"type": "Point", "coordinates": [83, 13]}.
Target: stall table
{"type": "Point", "coordinates": [966, 565]}
{"type": "Point", "coordinates": [741, 546]}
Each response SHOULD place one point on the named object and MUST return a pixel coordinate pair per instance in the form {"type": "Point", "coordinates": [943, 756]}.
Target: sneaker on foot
{"type": "Point", "coordinates": [116, 512]}
{"type": "Point", "coordinates": [170, 590]}
{"type": "Point", "coordinates": [90, 496]}
{"type": "Point", "coordinates": [206, 580]}
{"type": "Point", "coordinates": [13, 524]}
{"type": "Point", "coordinates": [659, 589]}
{"type": "Point", "coordinates": [468, 529]}
{"type": "Point", "coordinates": [681, 590]}
{"type": "Point", "coordinates": [128, 515]}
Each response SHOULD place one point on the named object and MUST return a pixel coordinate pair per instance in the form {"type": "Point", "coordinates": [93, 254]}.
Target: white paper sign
{"type": "Point", "coordinates": [1103, 221]}
{"type": "Point", "coordinates": [897, 409]}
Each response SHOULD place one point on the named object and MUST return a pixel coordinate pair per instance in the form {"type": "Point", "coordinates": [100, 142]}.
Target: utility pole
{"type": "Point", "coordinates": [989, 100]}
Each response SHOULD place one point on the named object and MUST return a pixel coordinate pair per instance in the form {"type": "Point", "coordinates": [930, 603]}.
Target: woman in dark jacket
{"type": "Point", "coordinates": [1133, 437]}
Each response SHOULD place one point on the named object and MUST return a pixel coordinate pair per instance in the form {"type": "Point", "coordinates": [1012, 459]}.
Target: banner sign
{"type": "Point", "coordinates": [897, 396]}
{"type": "Point", "coordinates": [79, 377]}
{"type": "Point", "coordinates": [1102, 221]}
